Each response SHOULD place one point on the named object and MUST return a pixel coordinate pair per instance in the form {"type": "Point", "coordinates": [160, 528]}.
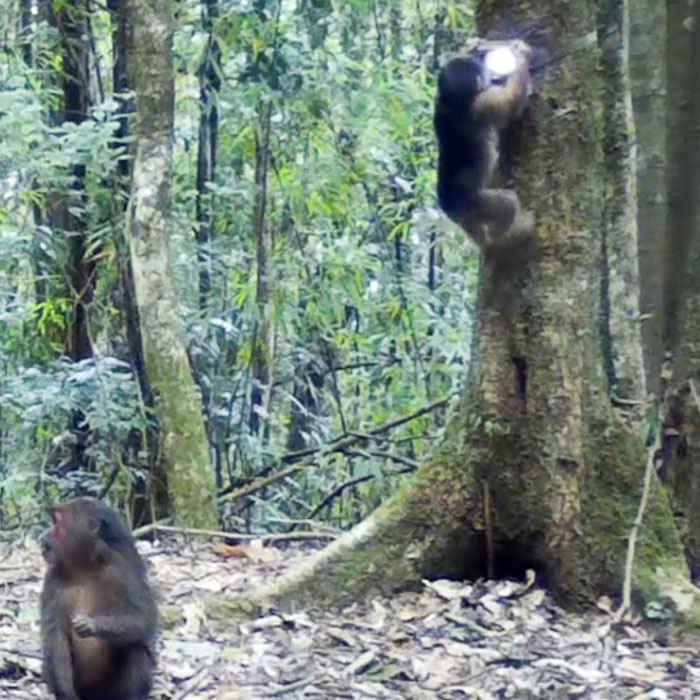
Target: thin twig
{"type": "Point", "coordinates": [193, 683]}
{"type": "Point", "coordinates": [340, 444]}
{"type": "Point", "coordinates": [386, 455]}
{"type": "Point", "coordinates": [694, 393]}
{"type": "Point", "coordinates": [345, 485]}
{"type": "Point", "coordinates": [290, 688]}
{"type": "Point", "coordinates": [488, 522]}
{"type": "Point", "coordinates": [634, 533]}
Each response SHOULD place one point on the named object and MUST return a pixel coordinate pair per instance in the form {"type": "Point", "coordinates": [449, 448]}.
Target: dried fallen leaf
{"type": "Point", "coordinates": [449, 590]}
{"type": "Point", "coordinates": [253, 550]}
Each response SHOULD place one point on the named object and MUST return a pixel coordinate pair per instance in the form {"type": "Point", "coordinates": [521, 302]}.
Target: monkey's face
{"type": "Point", "coordinates": [81, 528]}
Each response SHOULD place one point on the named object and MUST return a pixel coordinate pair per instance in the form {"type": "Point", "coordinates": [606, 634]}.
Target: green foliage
{"type": "Point", "coordinates": [370, 288]}
{"type": "Point", "coordinates": [45, 415]}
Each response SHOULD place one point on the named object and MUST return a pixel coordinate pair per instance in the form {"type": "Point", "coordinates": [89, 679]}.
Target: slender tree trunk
{"type": "Point", "coordinates": [537, 469]}
{"type": "Point", "coordinates": [620, 274]}
{"type": "Point", "coordinates": [153, 499]}
{"type": "Point", "coordinates": [65, 210]}
{"type": "Point", "coordinates": [264, 333]}
{"type": "Point", "coordinates": [648, 81]}
{"type": "Point", "coordinates": [70, 20]}
{"type": "Point", "coordinates": [681, 467]}
{"type": "Point", "coordinates": [26, 32]}
{"type": "Point", "coordinates": [209, 86]}
{"type": "Point", "coordinates": [121, 29]}
{"type": "Point", "coordinates": [185, 450]}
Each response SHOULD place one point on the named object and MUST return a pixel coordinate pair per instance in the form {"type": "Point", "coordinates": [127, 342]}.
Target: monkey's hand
{"type": "Point", "coordinates": [519, 82]}
{"type": "Point", "coordinates": [84, 625]}
{"type": "Point", "coordinates": [123, 628]}
{"type": "Point", "coordinates": [521, 48]}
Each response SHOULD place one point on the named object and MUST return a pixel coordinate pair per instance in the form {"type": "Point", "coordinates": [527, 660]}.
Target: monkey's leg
{"type": "Point", "coordinates": [58, 666]}
{"type": "Point", "coordinates": [507, 221]}
{"type": "Point", "coordinates": [137, 677]}
{"type": "Point", "coordinates": [130, 677]}
{"type": "Point", "coordinates": [476, 229]}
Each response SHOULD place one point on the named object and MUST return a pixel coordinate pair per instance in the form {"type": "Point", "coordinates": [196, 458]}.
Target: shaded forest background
{"type": "Point", "coordinates": [321, 290]}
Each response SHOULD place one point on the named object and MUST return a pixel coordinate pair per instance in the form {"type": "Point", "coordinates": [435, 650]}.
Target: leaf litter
{"type": "Point", "coordinates": [450, 641]}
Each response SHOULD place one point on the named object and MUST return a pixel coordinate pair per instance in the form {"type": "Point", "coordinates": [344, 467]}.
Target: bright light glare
{"type": "Point", "coordinates": [500, 61]}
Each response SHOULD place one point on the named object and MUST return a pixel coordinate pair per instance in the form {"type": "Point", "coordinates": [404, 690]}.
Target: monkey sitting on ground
{"type": "Point", "coordinates": [470, 112]}
{"type": "Point", "coordinates": [98, 615]}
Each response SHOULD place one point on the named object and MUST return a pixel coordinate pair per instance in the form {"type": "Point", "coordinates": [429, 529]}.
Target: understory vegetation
{"type": "Point", "coordinates": [320, 145]}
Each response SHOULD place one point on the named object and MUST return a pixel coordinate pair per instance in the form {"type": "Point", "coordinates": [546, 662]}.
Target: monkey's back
{"type": "Point", "coordinates": [462, 151]}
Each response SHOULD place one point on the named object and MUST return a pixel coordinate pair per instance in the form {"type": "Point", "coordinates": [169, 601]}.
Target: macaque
{"type": "Point", "coordinates": [98, 615]}
{"type": "Point", "coordinates": [471, 110]}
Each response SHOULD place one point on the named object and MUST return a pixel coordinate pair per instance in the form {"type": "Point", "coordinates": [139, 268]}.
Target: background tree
{"type": "Point", "coordinates": [349, 205]}
{"type": "Point", "coordinates": [177, 400]}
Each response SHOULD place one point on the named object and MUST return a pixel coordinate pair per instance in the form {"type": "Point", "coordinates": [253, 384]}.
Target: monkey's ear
{"type": "Point", "coordinates": [102, 528]}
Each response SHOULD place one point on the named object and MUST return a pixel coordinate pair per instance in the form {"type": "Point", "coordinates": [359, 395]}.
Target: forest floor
{"type": "Point", "coordinates": [449, 641]}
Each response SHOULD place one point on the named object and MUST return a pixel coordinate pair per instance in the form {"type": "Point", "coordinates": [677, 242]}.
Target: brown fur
{"type": "Point", "coordinates": [469, 117]}
{"type": "Point", "coordinates": [98, 616]}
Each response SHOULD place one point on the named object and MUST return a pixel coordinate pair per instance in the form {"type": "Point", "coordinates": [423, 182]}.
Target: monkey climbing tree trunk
{"type": "Point", "coordinates": [185, 450]}
{"type": "Point", "coordinates": [538, 469]}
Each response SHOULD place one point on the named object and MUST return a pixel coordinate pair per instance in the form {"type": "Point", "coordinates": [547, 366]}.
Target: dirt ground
{"type": "Point", "coordinates": [449, 641]}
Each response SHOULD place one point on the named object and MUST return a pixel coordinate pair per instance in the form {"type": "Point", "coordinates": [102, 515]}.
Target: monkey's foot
{"type": "Point", "coordinates": [519, 233]}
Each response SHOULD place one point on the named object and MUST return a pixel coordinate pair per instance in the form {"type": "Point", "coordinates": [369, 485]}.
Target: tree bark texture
{"type": "Point", "coordinates": [620, 273]}
{"type": "Point", "coordinates": [209, 86]}
{"type": "Point", "coordinates": [537, 469]}
{"type": "Point", "coordinates": [70, 20]}
{"type": "Point", "coordinates": [264, 332]}
{"type": "Point", "coordinates": [648, 82]}
{"type": "Point", "coordinates": [185, 450]}
{"type": "Point", "coordinates": [681, 439]}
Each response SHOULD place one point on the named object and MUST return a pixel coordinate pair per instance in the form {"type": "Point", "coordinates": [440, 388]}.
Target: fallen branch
{"type": "Point", "coordinates": [266, 537]}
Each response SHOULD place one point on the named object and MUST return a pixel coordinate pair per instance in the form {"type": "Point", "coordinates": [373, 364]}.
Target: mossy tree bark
{"type": "Point", "coordinates": [538, 467]}
{"type": "Point", "coordinates": [681, 468]}
{"type": "Point", "coordinates": [648, 77]}
{"type": "Point", "coordinates": [185, 450]}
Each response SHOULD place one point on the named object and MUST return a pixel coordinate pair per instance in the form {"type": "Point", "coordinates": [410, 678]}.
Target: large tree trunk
{"type": "Point", "coordinates": [185, 450]}
{"type": "Point", "coordinates": [538, 469]}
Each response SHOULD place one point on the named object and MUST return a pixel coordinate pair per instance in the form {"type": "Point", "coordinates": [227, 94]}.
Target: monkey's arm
{"type": "Point", "coordinates": [122, 628]}
{"type": "Point", "coordinates": [58, 668]}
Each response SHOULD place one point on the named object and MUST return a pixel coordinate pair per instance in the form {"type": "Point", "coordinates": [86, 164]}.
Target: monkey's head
{"type": "Point", "coordinates": [82, 528]}
{"type": "Point", "coordinates": [460, 80]}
